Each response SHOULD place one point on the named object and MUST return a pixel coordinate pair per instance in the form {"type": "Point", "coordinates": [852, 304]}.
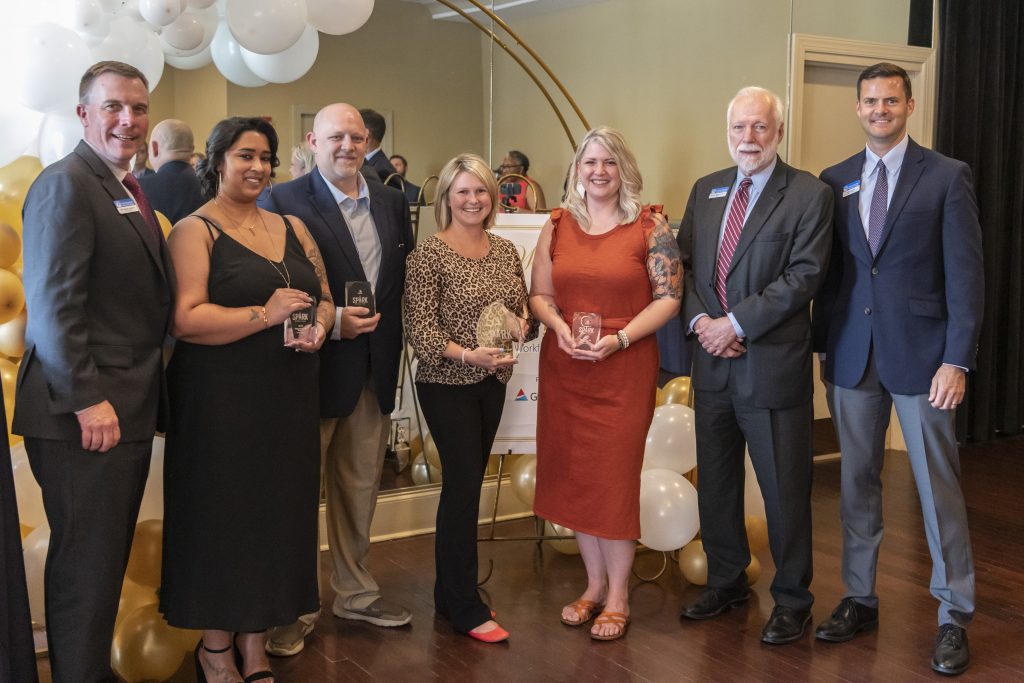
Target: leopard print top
{"type": "Point", "coordinates": [444, 296]}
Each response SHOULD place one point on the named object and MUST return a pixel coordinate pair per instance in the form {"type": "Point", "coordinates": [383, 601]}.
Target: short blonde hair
{"type": "Point", "coordinates": [629, 174]}
{"type": "Point", "coordinates": [304, 155]}
{"type": "Point", "coordinates": [475, 166]}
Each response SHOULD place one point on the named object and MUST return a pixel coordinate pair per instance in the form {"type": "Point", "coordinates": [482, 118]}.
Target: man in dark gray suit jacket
{"type": "Point", "coordinates": [755, 243]}
{"type": "Point", "coordinates": [899, 317]}
{"type": "Point", "coordinates": [99, 290]}
{"type": "Point", "coordinates": [364, 234]}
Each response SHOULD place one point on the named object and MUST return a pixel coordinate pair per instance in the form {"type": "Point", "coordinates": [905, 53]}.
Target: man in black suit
{"type": "Point", "coordinates": [364, 234]}
{"type": "Point", "coordinates": [375, 157]}
{"type": "Point", "coordinates": [174, 189]}
{"type": "Point", "coordinates": [412, 190]}
{"type": "Point", "coordinates": [899, 317]}
{"type": "Point", "coordinates": [99, 289]}
{"type": "Point", "coordinates": [755, 241]}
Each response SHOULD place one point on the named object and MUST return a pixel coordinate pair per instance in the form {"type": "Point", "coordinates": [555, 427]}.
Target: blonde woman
{"type": "Point", "coordinates": [450, 278]}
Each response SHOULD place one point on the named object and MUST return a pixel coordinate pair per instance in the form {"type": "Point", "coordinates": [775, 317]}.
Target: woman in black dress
{"type": "Point", "coordinates": [242, 462]}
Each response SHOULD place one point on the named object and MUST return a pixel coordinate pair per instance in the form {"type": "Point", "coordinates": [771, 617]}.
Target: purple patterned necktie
{"type": "Point", "coordinates": [733, 228]}
{"type": "Point", "coordinates": [879, 207]}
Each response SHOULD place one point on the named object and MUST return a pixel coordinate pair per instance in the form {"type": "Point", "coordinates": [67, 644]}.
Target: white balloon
{"type": "Point", "coordinates": [26, 489]}
{"type": "Point", "coordinates": [266, 26]}
{"type": "Point", "coordinates": [47, 62]}
{"type": "Point", "coordinates": [668, 510]}
{"type": "Point", "coordinates": [85, 17]}
{"type": "Point", "coordinates": [160, 12]}
{"type": "Point", "coordinates": [201, 4]}
{"type": "Point", "coordinates": [21, 129]}
{"type": "Point", "coordinates": [289, 65]}
{"type": "Point", "coordinates": [35, 547]}
{"type": "Point", "coordinates": [338, 17]}
{"type": "Point", "coordinates": [132, 43]}
{"type": "Point", "coordinates": [58, 137]}
{"type": "Point", "coordinates": [184, 33]}
{"type": "Point", "coordinates": [153, 496]}
{"type": "Point", "coordinates": [671, 440]}
{"type": "Point", "coordinates": [126, 8]}
{"type": "Point", "coordinates": [227, 56]}
{"type": "Point", "coordinates": [196, 61]}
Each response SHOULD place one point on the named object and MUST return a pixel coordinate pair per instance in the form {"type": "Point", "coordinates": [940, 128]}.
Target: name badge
{"type": "Point", "coordinates": [126, 205]}
{"type": "Point", "coordinates": [851, 188]}
{"type": "Point", "coordinates": [719, 192]}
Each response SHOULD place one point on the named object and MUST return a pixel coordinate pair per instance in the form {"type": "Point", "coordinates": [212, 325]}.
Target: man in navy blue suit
{"type": "Point", "coordinates": [364, 233]}
{"type": "Point", "coordinates": [899, 319]}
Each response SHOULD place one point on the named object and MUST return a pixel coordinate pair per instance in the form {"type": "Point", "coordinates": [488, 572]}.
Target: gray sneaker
{"type": "Point", "coordinates": [285, 641]}
{"type": "Point", "coordinates": [379, 612]}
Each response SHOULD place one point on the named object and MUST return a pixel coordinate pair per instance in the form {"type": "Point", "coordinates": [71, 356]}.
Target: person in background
{"type": "Point", "coordinates": [412, 190]}
{"type": "Point", "coordinates": [302, 161]}
{"type": "Point", "coordinates": [603, 253]}
{"type": "Point", "coordinates": [450, 278]}
{"type": "Point", "coordinates": [516, 194]}
{"type": "Point", "coordinates": [375, 157]}
{"type": "Point", "coordinates": [174, 188]}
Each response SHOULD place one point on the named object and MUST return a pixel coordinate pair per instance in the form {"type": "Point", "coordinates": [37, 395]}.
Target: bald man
{"type": "Point", "coordinates": [364, 233]}
{"type": "Point", "coordinates": [174, 189]}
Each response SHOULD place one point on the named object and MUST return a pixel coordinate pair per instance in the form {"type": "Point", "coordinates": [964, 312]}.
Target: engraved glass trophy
{"type": "Point", "coordinates": [499, 328]}
{"type": "Point", "coordinates": [586, 329]}
{"type": "Point", "coordinates": [300, 326]}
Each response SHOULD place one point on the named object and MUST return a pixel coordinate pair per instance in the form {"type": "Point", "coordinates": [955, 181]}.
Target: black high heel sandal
{"type": "Point", "coordinates": [240, 663]}
{"type": "Point", "coordinates": [200, 674]}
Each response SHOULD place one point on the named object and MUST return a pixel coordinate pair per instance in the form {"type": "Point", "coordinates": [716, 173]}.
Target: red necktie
{"type": "Point", "coordinates": [147, 212]}
{"type": "Point", "coordinates": [733, 228]}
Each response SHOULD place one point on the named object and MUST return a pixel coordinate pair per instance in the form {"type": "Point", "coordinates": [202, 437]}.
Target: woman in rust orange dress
{"type": "Point", "coordinates": [603, 253]}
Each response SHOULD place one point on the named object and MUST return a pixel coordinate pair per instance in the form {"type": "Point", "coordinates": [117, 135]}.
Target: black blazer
{"type": "Point", "coordinates": [99, 287]}
{"type": "Point", "coordinates": [380, 163]}
{"type": "Point", "coordinates": [174, 190]}
{"type": "Point", "coordinates": [344, 363]}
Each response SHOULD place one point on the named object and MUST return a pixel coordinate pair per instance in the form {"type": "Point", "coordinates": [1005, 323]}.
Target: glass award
{"type": "Point", "coordinates": [358, 293]}
{"type": "Point", "coordinates": [301, 326]}
{"type": "Point", "coordinates": [499, 328]}
{"type": "Point", "coordinates": [586, 329]}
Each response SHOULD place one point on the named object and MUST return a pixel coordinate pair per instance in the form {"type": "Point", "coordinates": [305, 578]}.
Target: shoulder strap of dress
{"type": "Point", "coordinates": [556, 215]}
{"type": "Point", "coordinates": [210, 225]}
{"type": "Point", "coordinates": [647, 214]}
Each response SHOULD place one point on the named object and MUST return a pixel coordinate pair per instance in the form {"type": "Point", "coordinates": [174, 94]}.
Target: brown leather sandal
{"type": "Point", "coordinates": [616, 618]}
{"type": "Point", "coordinates": [585, 611]}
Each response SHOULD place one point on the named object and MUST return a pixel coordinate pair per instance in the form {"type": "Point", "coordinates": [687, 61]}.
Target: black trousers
{"type": "Point", "coordinates": [463, 420]}
{"type": "Point", "coordinates": [92, 503]}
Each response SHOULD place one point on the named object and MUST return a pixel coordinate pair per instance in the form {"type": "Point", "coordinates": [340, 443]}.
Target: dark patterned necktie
{"type": "Point", "coordinates": [144, 208]}
{"type": "Point", "coordinates": [879, 207]}
{"type": "Point", "coordinates": [733, 228]}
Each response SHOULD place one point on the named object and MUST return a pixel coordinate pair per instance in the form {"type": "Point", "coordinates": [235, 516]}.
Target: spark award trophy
{"type": "Point", "coordinates": [499, 328]}
{"type": "Point", "coordinates": [301, 326]}
{"type": "Point", "coordinates": [586, 329]}
{"type": "Point", "coordinates": [358, 293]}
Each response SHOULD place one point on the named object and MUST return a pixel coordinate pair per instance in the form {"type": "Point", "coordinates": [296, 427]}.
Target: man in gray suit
{"type": "Point", "coordinates": [99, 290]}
{"type": "Point", "coordinates": [755, 242]}
{"type": "Point", "coordinates": [899, 317]}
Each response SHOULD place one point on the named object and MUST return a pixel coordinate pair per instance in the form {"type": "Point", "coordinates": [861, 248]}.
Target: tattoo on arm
{"type": "Point", "coordinates": [254, 314]}
{"type": "Point", "coordinates": [663, 265]}
{"type": "Point", "coordinates": [318, 264]}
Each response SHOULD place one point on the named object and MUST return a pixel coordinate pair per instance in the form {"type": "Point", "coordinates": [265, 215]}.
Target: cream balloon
{"type": "Point", "coordinates": [12, 337]}
{"type": "Point", "coordinates": [196, 61]}
{"type": "Point", "coordinates": [49, 62]}
{"type": "Point", "coordinates": [132, 43]}
{"type": "Point", "coordinates": [424, 473]}
{"type": "Point", "coordinates": [431, 453]}
{"type": "Point", "coordinates": [523, 478]}
{"type": "Point", "coordinates": [201, 4]}
{"type": "Point", "coordinates": [227, 56]}
{"type": "Point", "coordinates": [266, 26]}
{"type": "Point", "coordinates": [288, 65]}
{"type": "Point", "coordinates": [184, 34]}
{"type": "Point", "coordinates": [58, 136]}
{"type": "Point", "coordinates": [671, 440]}
{"type": "Point", "coordinates": [567, 546]}
{"type": "Point", "coordinates": [338, 17]}
{"type": "Point", "coordinates": [668, 510]}
{"type": "Point", "coordinates": [693, 563]}
{"type": "Point", "coordinates": [35, 547]}
{"type": "Point", "coordinates": [160, 12]}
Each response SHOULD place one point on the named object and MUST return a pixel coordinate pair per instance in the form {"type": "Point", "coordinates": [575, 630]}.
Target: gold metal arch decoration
{"type": "Point", "coordinates": [523, 65]}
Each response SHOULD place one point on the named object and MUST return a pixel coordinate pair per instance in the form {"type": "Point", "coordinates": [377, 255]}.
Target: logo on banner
{"type": "Point", "coordinates": [521, 396]}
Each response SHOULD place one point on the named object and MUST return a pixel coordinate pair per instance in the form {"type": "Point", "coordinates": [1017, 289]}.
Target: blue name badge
{"type": "Point", "coordinates": [851, 188]}
{"type": "Point", "coordinates": [126, 205]}
{"type": "Point", "coordinates": [718, 192]}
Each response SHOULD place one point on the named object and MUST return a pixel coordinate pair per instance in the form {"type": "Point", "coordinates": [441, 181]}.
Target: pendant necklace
{"type": "Point", "coordinates": [251, 227]}
{"type": "Point", "coordinates": [285, 275]}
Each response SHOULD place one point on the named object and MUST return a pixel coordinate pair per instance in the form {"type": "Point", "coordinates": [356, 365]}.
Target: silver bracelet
{"type": "Point", "coordinates": [623, 340]}
{"type": "Point", "coordinates": [464, 356]}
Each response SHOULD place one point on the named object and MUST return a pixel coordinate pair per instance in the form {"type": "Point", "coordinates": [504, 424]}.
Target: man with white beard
{"type": "Point", "coordinates": [755, 242]}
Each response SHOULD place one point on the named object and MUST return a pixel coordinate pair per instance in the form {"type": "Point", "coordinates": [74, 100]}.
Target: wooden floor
{"type": "Point", "coordinates": [528, 589]}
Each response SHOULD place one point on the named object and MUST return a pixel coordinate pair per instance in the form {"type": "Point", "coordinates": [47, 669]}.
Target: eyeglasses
{"type": "Point", "coordinates": [509, 167]}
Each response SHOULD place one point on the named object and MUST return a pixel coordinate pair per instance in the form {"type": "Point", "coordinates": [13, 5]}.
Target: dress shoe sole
{"type": "Point", "coordinates": [790, 639]}
{"type": "Point", "coordinates": [863, 628]}
{"type": "Point", "coordinates": [727, 605]}
{"type": "Point", "coordinates": [950, 672]}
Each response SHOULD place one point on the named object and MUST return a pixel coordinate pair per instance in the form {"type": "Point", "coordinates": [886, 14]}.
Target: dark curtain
{"type": "Point", "coordinates": [17, 652]}
{"type": "Point", "coordinates": [981, 121]}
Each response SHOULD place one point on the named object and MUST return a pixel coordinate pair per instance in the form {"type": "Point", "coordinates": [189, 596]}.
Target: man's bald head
{"type": "Point", "coordinates": [338, 141]}
{"type": "Point", "coordinates": [171, 140]}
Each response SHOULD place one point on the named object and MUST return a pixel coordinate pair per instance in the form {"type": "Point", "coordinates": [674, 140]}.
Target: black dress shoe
{"type": "Point", "coordinates": [951, 655]}
{"type": "Point", "coordinates": [785, 625]}
{"type": "Point", "coordinates": [846, 621]}
{"type": "Point", "coordinates": [713, 601]}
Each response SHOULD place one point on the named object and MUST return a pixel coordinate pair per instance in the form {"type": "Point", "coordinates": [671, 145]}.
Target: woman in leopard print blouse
{"type": "Point", "coordinates": [450, 278]}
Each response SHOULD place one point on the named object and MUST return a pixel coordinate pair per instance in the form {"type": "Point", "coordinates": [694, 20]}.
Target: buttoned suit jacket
{"type": "Point", "coordinates": [344, 363]}
{"type": "Point", "coordinates": [918, 302]}
{"type": "Point", "coordinates": [99, 289]}
{"type": "Point", "coordinates": [777, 268]}
{"type": "Point", "coordinates": [174, 190]}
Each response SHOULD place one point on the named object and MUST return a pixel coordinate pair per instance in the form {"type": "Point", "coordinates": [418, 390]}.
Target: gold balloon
{"type": "Point", "coordinates": [133, 596]}
{"type": "Point", "coordinates": [25, 531]}
{"type": "Point", "coordinates": [566, 547]}
{"type": "Point", "coordinates": [145, 647]}
{"type": "Point", "coordinates": [165, 223]}
{"type": "Point", "coordinates": [147, 550]}
{"type": "Point", "coordinates": [421, 468]}
{"type": "Point", "coordinates": [693, 563]}
{"type": "Point", "coordinates": [430, 450]}
{"type": "Point", "coordinates": [659, 396]}
{"type": "Point", "coordinates": [753, 570]}
{"type": "Point", "coordinates": [12, 336]}
{"type": "Point", "coordinates": [12, 296]}
{"type": "Point", "coordinates": [10, 245]}
{"type": "Point", "coordinates": [677, 390]}
{"type": "Point", "coordinates": [9, 378]}
{"type": "Point", "coordinates": [416, 445]}
{"type": "Point", "coordinates": [523, 476]}
{"type": "Point", "coordinates": [757, 533]}
{"type": "Point", "coordinates": [15, 179]}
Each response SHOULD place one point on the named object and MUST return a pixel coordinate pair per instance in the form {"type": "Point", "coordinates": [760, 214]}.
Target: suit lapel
{"type": "Point", "coordinates": [770, 197]}
{"type": "Point", "coordinates": [380, 221]}
{"type": "Point", "coordinates": [852, 170]}
{"type": "Point", "coordinates": [332, 217]}
{"type": "Point", "coordinates": [910, 173]}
